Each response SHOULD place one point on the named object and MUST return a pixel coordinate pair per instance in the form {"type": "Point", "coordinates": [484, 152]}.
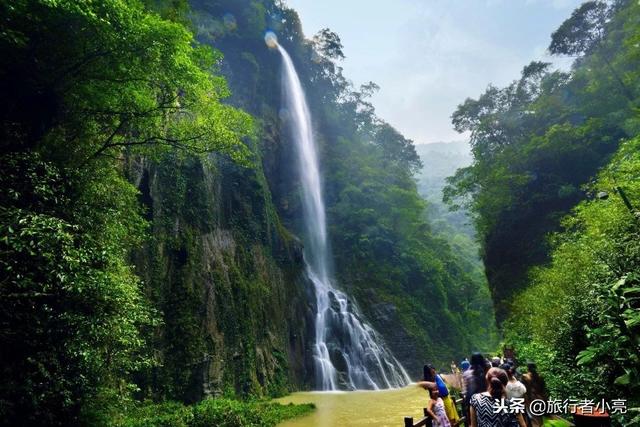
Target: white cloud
{"type": "Point", "coordinates": [429, 55]}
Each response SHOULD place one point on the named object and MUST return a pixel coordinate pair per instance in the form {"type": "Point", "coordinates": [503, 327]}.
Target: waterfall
{"type": "Point", "coordinates": [348, 353]}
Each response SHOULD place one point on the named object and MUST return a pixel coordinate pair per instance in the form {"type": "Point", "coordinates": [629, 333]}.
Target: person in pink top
{"type": "Point", "coordinates": [436, 409]}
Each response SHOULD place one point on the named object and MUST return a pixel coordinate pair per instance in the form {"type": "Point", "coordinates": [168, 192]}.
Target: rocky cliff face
{"type": "Point", "coordinates": [227, 278]}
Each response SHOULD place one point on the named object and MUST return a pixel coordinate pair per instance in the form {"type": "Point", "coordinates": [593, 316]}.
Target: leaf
{"type": "Point", "coordinates": [586, 356]}
{"type": "Point", "coordinates": [633, 321]}
{"type": "Point", "coordinates": [618, 284]}
{"type": "Point", "coordinates": [623, 379]}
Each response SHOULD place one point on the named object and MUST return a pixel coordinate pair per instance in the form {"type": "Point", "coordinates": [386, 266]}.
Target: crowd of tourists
{"type": "Point", "coordinates": [490, 389]}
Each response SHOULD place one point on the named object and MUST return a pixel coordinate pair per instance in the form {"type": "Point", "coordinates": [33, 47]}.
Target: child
{"type": "Point", "coordinates": [436, 409]}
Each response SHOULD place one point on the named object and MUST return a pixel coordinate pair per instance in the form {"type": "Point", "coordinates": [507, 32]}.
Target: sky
{"type": "Point", "coordinates": [428, 56]}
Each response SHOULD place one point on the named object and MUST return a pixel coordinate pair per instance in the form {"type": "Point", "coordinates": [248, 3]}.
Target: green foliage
{"type": "Point", "coordinates": [87, 83]}
{"type": "Point", "coordinates": [220, 412]}
{"type": "Point", "coordinates": [582, 31]}
{"type": "Point", "coordinates": [219, 270]}
{"type": "Point", "coordinates": [442, 160]}
{"type": "Point", "coordinates": [570, 300]}
{"type": "Point", "coordinates": [224, 412]}
{"type": "Point", "coordinates": [110, 76]}
{"type": "Point", "coordinates": [581, 316]}
{"type": "Point", "coordinates": [328, 44]}
{"type": "Point", "coordinates": [167, 414]}
{"type": "Point", "coordinates": [75, 310]}
{"type": "Point", "coordinates": [385, 250]}
{"type": "Point", "coordinates": [538, 140]}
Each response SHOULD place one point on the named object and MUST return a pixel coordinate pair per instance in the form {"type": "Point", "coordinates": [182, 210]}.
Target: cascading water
{"type": "Point", "coordinates": [348, 353]}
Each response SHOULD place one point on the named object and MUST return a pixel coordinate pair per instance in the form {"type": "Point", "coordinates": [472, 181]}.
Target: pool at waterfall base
{"type": "Point", "coordinates": [368, 408]}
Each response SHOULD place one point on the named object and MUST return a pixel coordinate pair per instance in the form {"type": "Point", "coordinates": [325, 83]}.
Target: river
{"type": "Point", "coordinates": [359, 408]}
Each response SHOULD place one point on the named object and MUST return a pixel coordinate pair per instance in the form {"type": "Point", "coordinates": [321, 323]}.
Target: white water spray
{"type": "Point", "coordinates": [348, 353]}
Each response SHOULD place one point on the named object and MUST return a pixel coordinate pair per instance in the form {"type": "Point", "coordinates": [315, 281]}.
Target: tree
{"type": "Point", "coordinates": [328, 44]}
{"type": "Point", "coordinates": [585, 329]}
{"type": "Point", "coordinates": [115, 77]}
{"type": "Point", "coordinates": [583, 31]}
{"type": "Point", "coordinates": [536, 141]}
{"type": "Point", "coordinates": [397, 148]}
{"type": "Point", "coordinates": [88, 83]}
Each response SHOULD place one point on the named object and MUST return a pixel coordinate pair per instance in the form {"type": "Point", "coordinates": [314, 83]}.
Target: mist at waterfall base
{"type": "Point", "coordinates": [348, 353]}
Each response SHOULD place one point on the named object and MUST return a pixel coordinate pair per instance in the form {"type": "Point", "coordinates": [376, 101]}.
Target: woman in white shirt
{"type": "Point", "coordinates": [514, 388]}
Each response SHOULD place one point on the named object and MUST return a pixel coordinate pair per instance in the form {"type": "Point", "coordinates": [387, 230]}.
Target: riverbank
{"type": "Point", "coordinates": [221, 412]}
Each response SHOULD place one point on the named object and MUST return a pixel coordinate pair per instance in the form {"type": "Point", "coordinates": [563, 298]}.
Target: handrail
{"type": "Point", "coordinates": [426, 421]}
{"type": "Point", "coordinates": [463, 418]}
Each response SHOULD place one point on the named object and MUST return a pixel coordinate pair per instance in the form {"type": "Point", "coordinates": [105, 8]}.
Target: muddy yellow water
{"type": "Point", "coordinates": [359, 408]}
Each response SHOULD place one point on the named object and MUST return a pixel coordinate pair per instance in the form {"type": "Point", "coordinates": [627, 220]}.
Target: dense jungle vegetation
{"type": "Point", "coordinates": [150, 221]}
{"type": "Point", "coordinates": [149, 216]}
{"type": "Point", "coordinates": [561, 260]}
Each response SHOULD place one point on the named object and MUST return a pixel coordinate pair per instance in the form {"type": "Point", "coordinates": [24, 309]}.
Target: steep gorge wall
{"type": "Point", "coordinates": [222, 267]}
{"type": "Point", "coordinates": [227, 278]}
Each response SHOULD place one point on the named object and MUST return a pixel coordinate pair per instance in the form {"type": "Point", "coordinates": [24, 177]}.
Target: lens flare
{"type": "Point", "coordinates": [271, 39]}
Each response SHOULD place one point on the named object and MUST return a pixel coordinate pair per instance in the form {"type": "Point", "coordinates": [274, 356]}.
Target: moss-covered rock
{"type": "Point", "coordinates": [227, 278]}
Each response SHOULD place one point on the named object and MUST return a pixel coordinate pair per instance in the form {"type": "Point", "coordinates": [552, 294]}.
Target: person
{"type": "Point", "coordinates": [515, 389]}
{"type": "Point", "coordinates": [434, 380]}
{"type": "Point", "coordinates": [514, 368]}
{"type": "Point", "coordinates": [454, 368]}
{"type": "Point", "coordinates": [474, 381]}
{"type": "Point", "coordinates": [464, 366]}
{"type": "Point", "coordinates": [495, 362]}
{"type": "Point", "coordinates": [536, 389]}
{"type": "Point", "coordinates": [482, 411]}
{"type": "Point", "coordinates": [436, 409]}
